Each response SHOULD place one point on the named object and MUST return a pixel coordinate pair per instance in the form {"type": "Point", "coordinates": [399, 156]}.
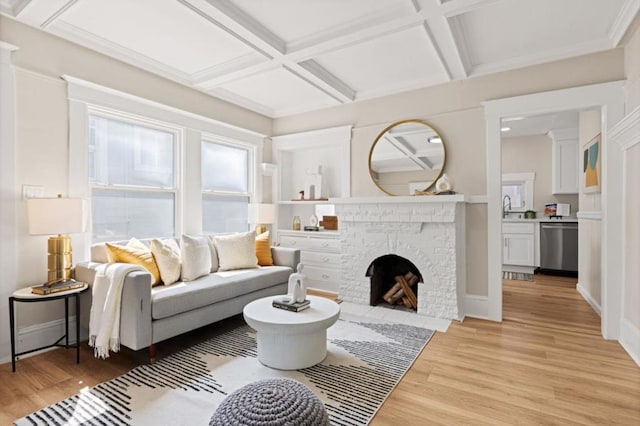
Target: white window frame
{"type": "Point", "coordinates": [527, 181]}
{"type": "Point", "coordinates": [175, 189]}
{"type": "Point", "coordinates": [252, 166]}
{"type": "Point", "coordinates": [84, 95]}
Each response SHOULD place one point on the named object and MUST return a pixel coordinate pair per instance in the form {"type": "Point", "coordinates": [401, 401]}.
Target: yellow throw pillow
{"type": "Point", "coordinates": [263, 249]}
{"type": "Point", "coordinates": [136, 253]}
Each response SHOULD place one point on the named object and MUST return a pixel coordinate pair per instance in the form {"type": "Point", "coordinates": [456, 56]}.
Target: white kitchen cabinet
{"type": "Point", "coordinates": [320, 255]}
{"type": "Point", "coordinates": [518, 249]}
{"type": "Point", "coordinates": [564, 161]}
{"type": "Point", "coordinates": [518, 244]}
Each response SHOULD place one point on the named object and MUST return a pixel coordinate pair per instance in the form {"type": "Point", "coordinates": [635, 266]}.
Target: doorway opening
{"type": "Point", "coordinates": [609, 99]}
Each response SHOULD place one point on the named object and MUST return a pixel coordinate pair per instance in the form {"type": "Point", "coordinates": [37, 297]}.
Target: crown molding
{"type": "Point", "coordinates": [626, 133]}
{"type": "Point", "coordinates": [625, 17]}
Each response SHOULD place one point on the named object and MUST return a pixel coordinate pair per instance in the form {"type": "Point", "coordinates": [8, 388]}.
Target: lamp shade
{"type": "Point", "coordinates": [260, 213]}
{"type": "Point", "coordinates": [48, 216]}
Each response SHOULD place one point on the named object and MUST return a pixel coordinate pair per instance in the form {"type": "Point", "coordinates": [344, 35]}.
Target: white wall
{"type": "Point", "coordinates": [631, 296]}
{"type": "Point", "coordinates": [533, 154]}
{"type": "Point", "coordinates": [630, 327]}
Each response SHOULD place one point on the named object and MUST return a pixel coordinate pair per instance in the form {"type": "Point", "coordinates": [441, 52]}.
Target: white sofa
{"type": "Point", "coordinates": [152, 314]}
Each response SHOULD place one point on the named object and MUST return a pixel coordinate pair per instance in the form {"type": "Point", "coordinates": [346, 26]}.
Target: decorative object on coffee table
{"type": "Point", "coordinates": [297, 289]}
{"type": "Point", "coordinates": [279, 401]}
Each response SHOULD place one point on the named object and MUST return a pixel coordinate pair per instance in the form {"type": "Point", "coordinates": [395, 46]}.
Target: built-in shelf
{"type": "Point", "coordinates": [302, 202]}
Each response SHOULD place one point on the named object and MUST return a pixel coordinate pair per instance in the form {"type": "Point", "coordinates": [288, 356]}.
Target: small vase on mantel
{"type": "Point", "coordinates": [444, 183]}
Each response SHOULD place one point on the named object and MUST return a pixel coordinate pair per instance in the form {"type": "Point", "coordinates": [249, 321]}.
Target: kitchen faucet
{"type": "Point", "coordinates": [504, 205]}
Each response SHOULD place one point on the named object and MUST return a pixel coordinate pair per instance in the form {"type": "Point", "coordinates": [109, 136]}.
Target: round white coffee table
{"type": "Point", "coordinates": [291, 340]}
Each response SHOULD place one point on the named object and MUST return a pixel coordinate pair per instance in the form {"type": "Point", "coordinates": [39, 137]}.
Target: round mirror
{"type": "Point", "coordinates": [407, 157]}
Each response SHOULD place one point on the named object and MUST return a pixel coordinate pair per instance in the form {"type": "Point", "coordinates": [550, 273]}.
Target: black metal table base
{"type": "Point", "coordinates": [65, 337]}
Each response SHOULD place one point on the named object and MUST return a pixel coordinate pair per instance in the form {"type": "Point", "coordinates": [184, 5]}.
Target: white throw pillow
{"type": "Point", "coordinates": [167, 256]}
{"type": "Point", "coordinates": [215, 264]}
{"type": "Point", "coordinates": [237, 251]}
{"type": "Point", "coordinates": [196, 257]}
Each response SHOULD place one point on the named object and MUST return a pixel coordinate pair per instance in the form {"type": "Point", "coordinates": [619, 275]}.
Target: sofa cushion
{"type": "Point", "coordinates": [135, 252]}
{"type": "Point", "coordinates": [237, 251]}
{"type": "Point", "coordinates": [196, 257]}
{"type": "Point", "coordinates": [216, 287]}
{"type": "Point", "coordinates": [167, 255]}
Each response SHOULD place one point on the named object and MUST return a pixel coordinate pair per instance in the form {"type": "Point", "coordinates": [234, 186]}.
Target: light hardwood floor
{"type": "Point", "coordinates": [545, 364]}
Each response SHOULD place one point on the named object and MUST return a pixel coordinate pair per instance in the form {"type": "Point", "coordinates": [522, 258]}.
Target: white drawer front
{"type": "Point", "coordinates": [517, 228]}
{"type": "Point", "coordinates": [295, 242]}
{"type": "Point", "coordinates": [325, 244]}
{"type": "Point", "coordinates": [321, 274]}
{"type": "Point", "coordinates": [318, 258]}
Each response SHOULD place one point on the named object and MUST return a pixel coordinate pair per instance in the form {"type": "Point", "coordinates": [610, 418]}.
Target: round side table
{"type": "Point", "coordinates": [26, 296]}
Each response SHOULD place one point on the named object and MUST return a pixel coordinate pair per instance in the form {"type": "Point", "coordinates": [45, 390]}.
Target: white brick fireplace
{"type": "Point", "coordinates": [429, 231]}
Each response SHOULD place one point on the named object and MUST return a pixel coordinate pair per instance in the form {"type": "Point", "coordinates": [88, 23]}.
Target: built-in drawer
{"type": "Point", "coordinates": [321, 274]}
{"type": "Point", "coordinates": [311, 243]}
{"type": "Point", "coordinates": [295, 242]}
{"type": "Point", "coordinates": [320, 258]}
{"type": "Point", "coordinates": [517, 228]}
{"type": "Point", "coordinates": [324, 244]}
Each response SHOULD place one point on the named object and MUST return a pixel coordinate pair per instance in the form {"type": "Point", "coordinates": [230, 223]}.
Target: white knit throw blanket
{"type": "Point", "coordinates": [104, 322]}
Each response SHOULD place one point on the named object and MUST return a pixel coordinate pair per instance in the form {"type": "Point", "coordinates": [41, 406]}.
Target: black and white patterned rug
{"type": "Point", "coordinates": [366, 359]}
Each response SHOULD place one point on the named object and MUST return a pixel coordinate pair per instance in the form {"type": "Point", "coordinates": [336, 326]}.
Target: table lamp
{"type": "Point", "coordinates": [261, 214]}
{"type": "Point", "coordinates": [59, 216]}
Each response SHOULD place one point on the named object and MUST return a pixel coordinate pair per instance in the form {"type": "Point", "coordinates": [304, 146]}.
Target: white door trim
{"type": "Point", "coordinates": [609, 97]}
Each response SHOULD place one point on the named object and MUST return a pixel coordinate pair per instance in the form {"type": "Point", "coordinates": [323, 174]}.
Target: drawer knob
{"type": "Point", "coordinates": [325, 244]}
{"type": "Point", "coordinates": [325, 259]}
{"type": "Point", "coordinates": [325, 276]}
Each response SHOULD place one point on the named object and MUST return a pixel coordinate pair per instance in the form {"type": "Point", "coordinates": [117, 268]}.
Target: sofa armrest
{"type": "Point", "coordinates": [286, 256]}
{"type": "Point", "coordinates": [135, 306]}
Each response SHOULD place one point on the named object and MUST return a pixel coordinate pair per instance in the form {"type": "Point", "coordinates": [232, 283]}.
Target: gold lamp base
{"type": "Point", "coordinates": [58, 259]}
{"type": "Point", "coordinates": [260, 229]}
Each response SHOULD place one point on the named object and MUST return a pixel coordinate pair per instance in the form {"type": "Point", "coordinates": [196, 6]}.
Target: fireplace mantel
{"type": "Point", "coordinates": [421, 199]}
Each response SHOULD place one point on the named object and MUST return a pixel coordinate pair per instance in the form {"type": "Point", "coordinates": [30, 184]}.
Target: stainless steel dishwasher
{"type": "Point", "coordinates": [559, 247]}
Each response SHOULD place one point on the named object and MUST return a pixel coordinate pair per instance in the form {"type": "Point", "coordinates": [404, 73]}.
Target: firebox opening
{"type": "Point", "coordinates": [394, 281]}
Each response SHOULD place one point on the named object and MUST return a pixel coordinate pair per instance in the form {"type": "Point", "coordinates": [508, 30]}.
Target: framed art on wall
{"type": "Point", "coordinates": [591, 176]}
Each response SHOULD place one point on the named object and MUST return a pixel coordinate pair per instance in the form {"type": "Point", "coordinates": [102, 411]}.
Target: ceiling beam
{"type": "Point", "coordinates": [458, 7]}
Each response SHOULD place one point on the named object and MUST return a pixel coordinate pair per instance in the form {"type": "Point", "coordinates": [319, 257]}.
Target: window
{"type": "Point", "coordinates": [132, 174]}
{"type": "Point", "coordinates": [225, 187]}
{"type": "Point", "coordinates": [518, 187]}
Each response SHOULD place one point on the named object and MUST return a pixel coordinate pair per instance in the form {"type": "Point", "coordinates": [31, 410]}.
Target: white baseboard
{"type": "Point", "coordinates": [44, 334]}
{"type": "Point", "coordinates": [585, 294]}
{"type": "Point", "coordinates": [476, 306]}
{"type": "Point", "coordinates": [630, 339]}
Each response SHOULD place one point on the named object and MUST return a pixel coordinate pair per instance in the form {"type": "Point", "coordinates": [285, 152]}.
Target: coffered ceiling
{"type": "Point", "coordinates": [281, 57]}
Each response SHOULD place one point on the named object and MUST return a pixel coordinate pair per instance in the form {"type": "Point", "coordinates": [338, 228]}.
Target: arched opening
{"type": "Point", "coordinates": [394, 281]}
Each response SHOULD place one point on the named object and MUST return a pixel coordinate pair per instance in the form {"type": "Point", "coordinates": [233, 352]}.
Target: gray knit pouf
{"type": "Point", "coordinates": [271, 402]}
